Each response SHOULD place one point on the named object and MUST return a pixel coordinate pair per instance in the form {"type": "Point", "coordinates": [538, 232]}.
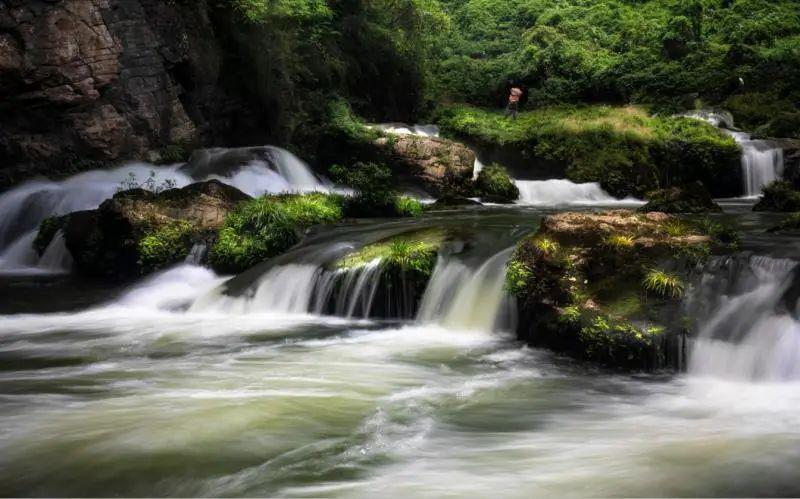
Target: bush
{"type": "Point", "coordinates": [166, 245]}
{"type": "Point", "coordinates": [494, 183]}
{"type": "Point", "coordinates": [405, 206]}
{"type": "Point", "coordinates": [261, 228]}
{"type": "Point", "coordinates": [779, 196]}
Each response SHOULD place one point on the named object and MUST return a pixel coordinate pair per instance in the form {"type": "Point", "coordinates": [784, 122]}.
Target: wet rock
{"type": "Point", "coordinates": [451, 201]}
{"type": "Point", "coordinates": [691, 198]}
{"type": "Point", "coordinates": [442, 166]}
{"type": "Point", "coordinates": [606, 287]}
{"type": "Point", "coordinates": [138, 231]}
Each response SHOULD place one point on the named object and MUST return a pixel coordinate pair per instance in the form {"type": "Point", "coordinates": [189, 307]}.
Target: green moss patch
{"type": "Point", "coordinates": [264, 227]}
{"type": "Point", "coordinates": [626, 149]}
{"type": "Point", "coordinates": [494, 183]}
{"type": "Point", "coordinates": [166, 245]}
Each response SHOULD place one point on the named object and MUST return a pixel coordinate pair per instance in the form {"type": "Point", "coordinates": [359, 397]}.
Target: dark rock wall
{"type": "Point", "coordinates": [83, 82]}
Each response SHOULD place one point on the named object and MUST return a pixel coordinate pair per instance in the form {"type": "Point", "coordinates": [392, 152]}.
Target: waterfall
{"type": "Point", "coordinates": [303, 288]}
{"type": "Point", "coordinates": [762, 163]}
{"type": "Point", "coordinates": [556, 192]}
{"type": "Point", "coordinates": [746, 311]}
{"type": "Point", "coordinates": [255, 171]}
{"type": "Point", "coordinates": [460, 298]}
{"type": "Point", "coordinates": [404, 129]}
{"type": "Point", "coordinates": [21, 258]}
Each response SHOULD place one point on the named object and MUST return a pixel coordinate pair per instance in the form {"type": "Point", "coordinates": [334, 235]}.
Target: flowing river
{"type": "Point", "coordinates": [171, 387]}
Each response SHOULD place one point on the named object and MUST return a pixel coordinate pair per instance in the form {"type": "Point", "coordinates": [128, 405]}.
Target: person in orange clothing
{"type": "Point", "coordinates": [513, 101]}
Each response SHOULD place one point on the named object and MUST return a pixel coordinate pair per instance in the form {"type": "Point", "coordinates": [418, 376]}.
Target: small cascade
{"type": "Point", "coordinates": [556, 192]}
{"type": "Point", "coordinates": [404, 129]}
{"type": "Point", "coordinates": [476, 168]}
{"type": "Point", "coordinates": [460, 298]}
{"type": "Point", "coordinates": [762, 161]}
{"type": "Point", "coordinates": [198, 254]}
{"type": "Point", "coordinates": [746, 312]}
{"type": "Point", "coordinates": [56, 258]}
{"type": "Point", "coordinates": [21, 258]}
{"type": "Point", "coordinates": [255, 171]}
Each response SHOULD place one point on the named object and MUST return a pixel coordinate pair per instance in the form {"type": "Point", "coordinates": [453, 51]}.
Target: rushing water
{"type": "Point", "coordinates": [255, 171]}
{"type": "Point", "coordinates": [149, 392]}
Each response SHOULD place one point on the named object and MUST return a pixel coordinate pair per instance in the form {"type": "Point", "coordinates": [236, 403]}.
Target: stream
{"type": "Point", "coordinates": [137, 392]}
{"type": "Point", "coordinates": [286, 381]}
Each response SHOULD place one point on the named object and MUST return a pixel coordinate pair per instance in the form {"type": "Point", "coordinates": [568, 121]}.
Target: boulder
{"type": "Point", "coordinates": [606, 287]}
{"type": "Point", "coordinates": [690, 198]}
{"type": "Point", "coordinates": [138, 231]}
{"type": "Point", "coordinates": [441, 166]}
{"type": "Point", "coordinates": [451, 201]}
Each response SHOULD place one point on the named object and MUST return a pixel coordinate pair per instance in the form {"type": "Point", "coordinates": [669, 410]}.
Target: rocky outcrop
{"type": "Point", "coordinates": [138, 231]}
{"type": "Point", "coordinates": [84, 82]}
{"type": "Point", "coordinates": [779, 196]}
{"type": "Point", "coordinates": [606, 287]}
{"type": "Point", "coordinates": [691, 198]}
{"type": "Point", "coordinates": [442, 166]}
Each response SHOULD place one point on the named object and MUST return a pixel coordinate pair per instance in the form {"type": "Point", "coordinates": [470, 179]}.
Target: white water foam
{"type": "Point", "coordinates": [749, 335]}
{"type": "Point", "coordinates": [25, 207]}
{"type": "Point", "coordinates": [561, 192]}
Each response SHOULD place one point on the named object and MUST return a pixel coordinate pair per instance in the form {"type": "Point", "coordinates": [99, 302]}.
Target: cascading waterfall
{"type": "Point", "coordinates": [255, 171]}
{"type": "Point", "coordinates": [556, 192]}
{"type": "Point", "coordinates": [762, 161]}
{"type": "Point", "coordinates": [460, 298]}
{"type": "Point", "coordinates": [746, 309]}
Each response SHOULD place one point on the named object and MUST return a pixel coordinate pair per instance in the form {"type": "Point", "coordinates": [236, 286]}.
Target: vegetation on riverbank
{"type": "Point", "coordinates": [624, 148]}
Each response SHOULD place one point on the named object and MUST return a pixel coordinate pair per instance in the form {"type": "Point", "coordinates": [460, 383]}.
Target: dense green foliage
{"type": "Point", "coordinates": [624, 148]}
{"type": "Point", "coordinates": [166, 245]}
{"type": "Point", "coordinates": [494, 184]}
{"type": "Point", "coordinates": [664, 52]}
{"type": "Point", "coordinates": [375, 195]}
{"type": "Point", "coordinates": [263, 227]}
{"type": "Point", "coordinates": [779, 196]}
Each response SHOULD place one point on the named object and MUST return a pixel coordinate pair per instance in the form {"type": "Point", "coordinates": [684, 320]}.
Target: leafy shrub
{"type": "Point", "coordinates": [266, 226]}
{"type": "Point", "coordinates": [517, 277]}
{"type": "Point", "coordinates": [494, 182]}
{"type": "Point", "coordinates": [779, 196]}
{"type": "Point", "coordinates": [166, 245]}
{"type": "Point", "coordinates": [405, 206]}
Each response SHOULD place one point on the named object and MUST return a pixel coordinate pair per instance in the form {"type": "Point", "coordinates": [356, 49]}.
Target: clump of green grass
{"type": "Point", "coordinates": [264, 227]}
{"type": "Point", "coordinates": [547, 246]}
{"type": "Point", "coordinates": [620, 241]}
{"type": "Point", "coordinates": [407, 207]}
{"type": "Point", "coordinates": [676, 228]}
{"type": "Point", "coordinates": [166, 245]}
{"type": "Point", "coordinates": [664, 284]}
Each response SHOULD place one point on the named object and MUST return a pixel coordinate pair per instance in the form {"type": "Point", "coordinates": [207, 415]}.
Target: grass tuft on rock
{"type": "Point", "coordinates": [264, 227]}
{"type": "Point", "coordinates": [494, 184]}
{"type": "Point", "coordinates": [168, 244]}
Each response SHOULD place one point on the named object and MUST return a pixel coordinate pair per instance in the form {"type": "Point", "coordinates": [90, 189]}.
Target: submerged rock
{"type": "Point", "coordinates": [606, 287]}
{"type": "Point", "coordinates": [690, 198]}
{"type": "Point", "coordinates": [138, 231]}
{"type": "Point", "coordinates": [449, 202]}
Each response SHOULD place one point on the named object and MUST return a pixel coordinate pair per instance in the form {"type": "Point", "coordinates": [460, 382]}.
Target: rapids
{"type": "Point", "coordinates": [153, 390]}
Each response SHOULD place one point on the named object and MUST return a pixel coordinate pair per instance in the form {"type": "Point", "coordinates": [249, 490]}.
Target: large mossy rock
{"type": "Point", "coordinates": [440, 166]}
{"type": "Point", "coordinates": [606, 287]}
{"type": "Point", "coordinates": [691, 198]}
{"type": "Point", "coordinates": [779, 196]}
{"type": "Point", "coordinates": [139, 231]}
{"type": "Point", "coordinates": [494, 185]}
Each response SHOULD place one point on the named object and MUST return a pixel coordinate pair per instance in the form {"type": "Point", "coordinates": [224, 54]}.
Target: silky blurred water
{"type": "Point", "coordinates": [132, 395]}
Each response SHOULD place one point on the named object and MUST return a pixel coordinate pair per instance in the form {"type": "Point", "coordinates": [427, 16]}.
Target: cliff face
{"type": "Point", "coordinates": [85, 81]}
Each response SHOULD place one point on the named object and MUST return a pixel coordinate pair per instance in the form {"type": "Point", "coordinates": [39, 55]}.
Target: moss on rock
{"type": "Point", "coordinates": [266, 226]}
{"type": "Point", "coordinates": [495, 185]}
{"type": "Point", "coordinates": [606, 287]}
{"type": "Point", "coordinates": [691, 198]}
